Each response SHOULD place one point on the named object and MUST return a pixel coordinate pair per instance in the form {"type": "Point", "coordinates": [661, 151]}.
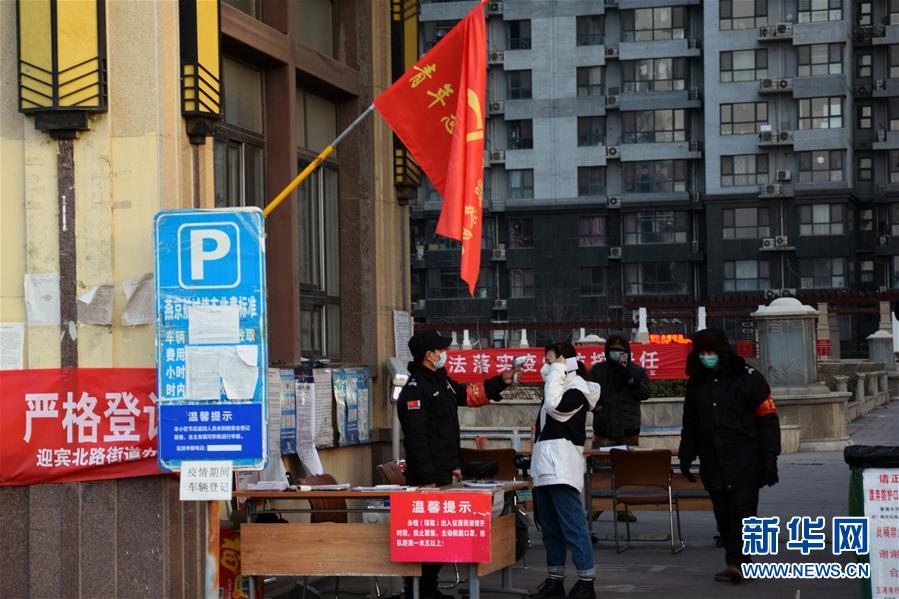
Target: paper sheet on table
{"type": "Point", "coordinates": [611, 447]}
{"type": "Point", "coordinates": [202, 371]}
{"type": "Point", "coordinates": [213, 324]}
{"type": "Point", "coordinates": [12, 345]}
{"type": "Point", "coordinates": [140, 305]}
{"type": "Point", "coordinates": [42, 298]}
{"type": "Point", "coordinates": [95, 306]}
{"type": "Point", "coordinates": [239, 370]}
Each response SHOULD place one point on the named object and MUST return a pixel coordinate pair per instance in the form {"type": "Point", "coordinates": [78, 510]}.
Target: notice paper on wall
{"type": "Point", "coordinates": [402, 331]}
{"type": "Point", "coordinates": [324, 403]}
{"type": "Point", "coordinates": [213, 324]}
{"type": "Point", "coordinates": [305, 421]}
{"type": "Point", "coordinates": [206, 480]}
{"type": "Point", "coordinates": [12, 345]}
{"type": "Point", "coordinates": [274, 468]}
{"type": "Point", "coordinates": [42, 298]}
{"type": "Point", "coordinates": [288, 436]}
{"type": "Point", "coordinates": [140, 301]}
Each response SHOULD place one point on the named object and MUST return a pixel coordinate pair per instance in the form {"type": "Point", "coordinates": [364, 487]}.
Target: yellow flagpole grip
{"type": "Point", "coordinates": [299, 179]}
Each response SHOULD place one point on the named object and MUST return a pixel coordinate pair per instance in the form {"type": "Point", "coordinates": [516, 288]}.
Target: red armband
{"type": "Point", "coordinates": [477, 395]}
{"type": "Point", "coordinates": [766, 407]}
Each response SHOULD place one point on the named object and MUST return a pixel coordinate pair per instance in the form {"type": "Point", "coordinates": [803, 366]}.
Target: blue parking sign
{"type": "Point", "coordinates": [211, 350]}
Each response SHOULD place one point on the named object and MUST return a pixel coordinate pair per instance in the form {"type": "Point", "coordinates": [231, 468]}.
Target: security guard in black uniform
{"type": "Point", "coordinates": [427, 409]}
{"type": "Point", "coordinates": [731, 424]}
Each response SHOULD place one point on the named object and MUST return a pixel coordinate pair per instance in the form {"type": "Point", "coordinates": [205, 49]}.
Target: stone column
{"type": "Point", "coordinates": [700, 318]}
{"type": "Point", "coordinates": [642, 328]}
{"type": "Point", "coordinates": [842, 383]}
{"type": "Point", "coordinates": [860, 387]}
{"type": "Point", "coordinates": [787, 343]}
{"type": "Point", "coordinates": [880, 349]}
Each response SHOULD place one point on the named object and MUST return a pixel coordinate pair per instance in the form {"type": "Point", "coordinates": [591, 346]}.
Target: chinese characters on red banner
{"type": "Point", "coordinates": [78, 424]}
{"type": "Point", "coordinates": [662, 362]}
{"type": "Point", "coordinates": [440, 527]}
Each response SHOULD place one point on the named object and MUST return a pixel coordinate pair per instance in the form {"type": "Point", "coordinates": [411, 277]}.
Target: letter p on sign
{"type": "Point", "coordinates": [209, 256]}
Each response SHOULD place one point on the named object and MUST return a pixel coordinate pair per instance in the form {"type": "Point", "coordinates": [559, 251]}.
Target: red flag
{"type": "Point", "coordinates": [437, 109]}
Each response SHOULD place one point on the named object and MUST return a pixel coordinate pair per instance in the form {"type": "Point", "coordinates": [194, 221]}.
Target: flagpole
{"type": "Point", "coordinates": [314, 164]}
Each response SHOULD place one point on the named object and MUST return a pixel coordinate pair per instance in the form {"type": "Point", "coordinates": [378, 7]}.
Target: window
{"type": "Point", "coordinates": [865, 170]}
{"type": "Point", "coordinates": [664, 226]}
{"type": "Point", "coordinates": [519, 84]}
{"type": "Point", "coordinates": [655, 176]}
{"type": "Point", "coordinates": [894, 219]}
{"type": "Point", "coordinates": [250, 7]}
{"type": "Point", "coordinates": [822, 219]}
{"type": "Point", "coordinates": [433, 32]}
{"type": "Point", "coordinates": [591, 231]}
{"type": "Point", "coordinates": [894, 61]}
{"type": "Point", "coordinates": [239, 142]}
{"type": "Point", "coordinates": [521, 233]}
{"type": "Point", "coordinates": [866, 268]}
{"type": "Point", "coordinates": [865, 116]}
{"type": "Point", "coordinates": [863, 64]}
{"type": "Point", "coordinates": [659, 74]}
{"type": "Point", "coordinates": [590, 180]}
{"type": "Point", "coordinates": [589, 30]}
{"type": "Point", "coordinates": [814, 11]}
{"type": "Point", "coordinates": [521, 184]}
{"type": "Point", "coordinates": [820, 59]}
{"type": "Point", "coordinates": [314, 24]}
{"type": "Point", "coordinates": [866, 219]}
{"type": "Point", "coordinates": [319, 241]}
{"type": "Point", "coordinates": [747, 275]}
{"type": "Point", "coordinates": [521, 282]}
{"type": "Point", "coordinates": [744, 169]}
{"type": "Point", "coordinates": [444, 283]}
{"type": "Point", "coordinates": [822, 273]}
{"type": "Point", "coordinates": [894, 12]}
{"type": "Point", "coordinates": [742, 118]}
{"type": "Point", "coordinates": [589, 81]}
{"type": "Point", "coordinates": [745, 223]}
{"type": "Point", "coordinates": [521, 134]}
{"type": "Point", "coordinates": [894, 166]}
{"type": "Point", "coordinates": [593, 280]}
{"type": "Point", "coordinates": [863, 14]}
{"type": "Point", "coordinates": [742, 14]}
{"type": "Point", "coordinates": [647, 126]}
{"type": "Point", "coordinates": [893, 113]}
{"type": "Point", "coordinates": [743, 65]}
{"type": "Point", "coordinates": [820, 165]}
{"type": "Point", "coordinates": [518, 35]}
{"type": "Point", "coordinates": [657, 278]}
{"type": "Point", "coordinates": [649, 24]}
{"type": "Point", "coordinates": [821, 113]}
{"type": "Point", "coordinates": [590, 130]}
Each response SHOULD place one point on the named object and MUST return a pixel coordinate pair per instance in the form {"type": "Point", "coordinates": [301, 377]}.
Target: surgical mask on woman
{"type": "Point", "coordinates": [441, 361]}
{"type": "Point", "coordinates": [709, 360]}
{"type": "Point", "coordinates": [615, 356]}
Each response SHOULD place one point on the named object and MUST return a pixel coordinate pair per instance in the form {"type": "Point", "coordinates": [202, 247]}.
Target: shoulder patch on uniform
{"type": "Point", "coordinates": [766, 407]}
{"type": "Point", "coordinates": [413, 405]}
{"type": "Point", "coordinates": [436, 393]}
{"type": "Point", "coordinates": [412, 383]}
{"type": "Point", "coordinates": [750, 369]}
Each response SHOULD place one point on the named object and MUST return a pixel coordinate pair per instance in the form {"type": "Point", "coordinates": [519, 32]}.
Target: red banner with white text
{"type": "Point", "coordinates": [67, 425]}
{"type": "Point", "coordinates": [662, 361]}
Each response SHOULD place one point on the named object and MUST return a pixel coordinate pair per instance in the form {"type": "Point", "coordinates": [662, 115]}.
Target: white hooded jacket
{"type": "Point", "coordinates": [558, 453]}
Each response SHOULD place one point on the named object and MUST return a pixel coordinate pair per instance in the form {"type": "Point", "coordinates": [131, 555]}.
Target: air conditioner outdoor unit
{"type": "Point", "coordinates": [785, 136]}
{"type": "Point", "coordinates": [495, 8]}
{"type": "Point", "coordinates": [611, 2]}
{"type": "Point", "coordinates": [694, 246]}
{"type": "Point", "coordinates": [615, 253]}
{"type": "Point", "coordinates": [879, 30]}
{"type": "Point", "coordinates": [884, 240]}
{"type": "Point", "coordinates": [496, 57]}
{"type": "Point", "coordinates": [612, 101]}
{"type": "Point", "coordinates": [500, 304]}
{"type": "Point", "coordinates": [766, 32]}
{"type": "Point", "coordinates": [695, 146]}
{"type": "Point", "coordinates": [781, 241]}
{"type": "Point", "coordinates": [611, 51]}
{"type": "Point", "coordinates": [771, 190]}
{"type": "Point", "coordinates": [695, 197]}
{"type": "Point", "coordinates": [784, 175]}
{"type": "Point", "coordinates": [497, 156]}
{"type": "Point", "coordinates": [784, 29]}
{"type": "Point", "coordinates": [768, 243]}
{"type": "Point", "coordinates": [614, 202]}
{"type": "Point", "coordinates": [613, 152]}
{"type": "Point", "coordinates": [496, 107]}
{"type": "Point", "coordinates": [881, 135]}
{"type": "Point", "coordinates": [767, 83]}
{"type": "Point", "coordinates": [693, 94]}
{"type": "Point", "coordinates": [784, 84]}
{"type": "Point", "coordinates": [880, 84]}
{"type": "Point", "coordinates": [420, 252]}
{"type": "Point", "coordinates": [766, 136]}
{"type": "Point", "coordinates": [693, 44]}
{"type": "Point", "coordinates": [420, 304]}
{"type": "Point", "coordinates": [788, 292]}
{"type": "Point", "coordinates": [863, 90]}
{"type": "Point", "coordinates": [499, 254]}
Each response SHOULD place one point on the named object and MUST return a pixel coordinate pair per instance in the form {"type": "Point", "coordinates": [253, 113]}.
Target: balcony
{"type": "Point", "coordinates": [886, 140]}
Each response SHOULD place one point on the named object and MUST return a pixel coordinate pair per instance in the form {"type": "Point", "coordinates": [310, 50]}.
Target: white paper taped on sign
{"type": "Point", "coordinates": [213, 324]}
{"type": "Point", "coordinates": [209, 368]}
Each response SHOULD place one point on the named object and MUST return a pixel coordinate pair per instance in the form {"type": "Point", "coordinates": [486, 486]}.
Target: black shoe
{"type": "Point", "coordinates": [550, 589]}
{"type": "Point", "coordinates": [582, 589]}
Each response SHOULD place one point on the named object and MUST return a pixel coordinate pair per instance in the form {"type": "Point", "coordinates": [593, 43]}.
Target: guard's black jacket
{"type": "Point", "coordinates": [730, 424]}
{"type": "Point", "coordinates": [427, 409]}
{"type": "Point", "coordinates": [618, 414]}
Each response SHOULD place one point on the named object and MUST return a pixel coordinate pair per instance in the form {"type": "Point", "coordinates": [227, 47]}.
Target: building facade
{"type": "Point", "coordinates": [293, 74]}
{"type": "Point", "coordinates": [674, 155]}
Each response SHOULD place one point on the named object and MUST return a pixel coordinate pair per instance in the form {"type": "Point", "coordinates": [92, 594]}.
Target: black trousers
{"type": "Point", "coordinates": [731, 506]}
{"type": "Point", "coordinates": [429, 571]}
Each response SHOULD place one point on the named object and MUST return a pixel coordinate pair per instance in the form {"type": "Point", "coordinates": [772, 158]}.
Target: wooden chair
{"type": "Point", "coordinates": [392, 474]}
{"type": "Point", "coordinates": [505, 459]}
{"type": "Point", "coordinates": [644, 478]}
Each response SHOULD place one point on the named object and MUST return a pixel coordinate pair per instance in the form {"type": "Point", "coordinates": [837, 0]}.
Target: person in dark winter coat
{"type": "Point", "coordinates": [428, 412]}
{"type": "Point", "coordinates": [730, 423]}
{"type": "Point", "coordinates": [625, 384]}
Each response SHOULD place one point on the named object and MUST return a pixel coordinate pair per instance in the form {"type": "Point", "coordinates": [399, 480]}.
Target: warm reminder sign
{"type": "Point", "coordinates": [440, 527]}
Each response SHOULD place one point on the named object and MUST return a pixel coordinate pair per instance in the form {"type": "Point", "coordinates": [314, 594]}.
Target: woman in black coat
{"type": "Point", "coordinates": [730, 423]}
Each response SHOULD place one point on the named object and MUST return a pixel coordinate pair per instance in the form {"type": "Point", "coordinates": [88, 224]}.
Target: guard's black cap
{"type": "Point", "coordinates": [425, 341]}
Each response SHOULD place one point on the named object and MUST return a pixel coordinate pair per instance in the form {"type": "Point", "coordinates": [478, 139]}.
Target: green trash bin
{"type": "Point", "coordinates": [860, 458]}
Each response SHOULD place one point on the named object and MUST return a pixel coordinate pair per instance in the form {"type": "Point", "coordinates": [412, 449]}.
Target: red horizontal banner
{"type": "Point", "coordinates": [662, 361]}
{"type": "Point", "coordinates": [79, 424]}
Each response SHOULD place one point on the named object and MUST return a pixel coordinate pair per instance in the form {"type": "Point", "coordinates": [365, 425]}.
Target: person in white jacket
{"type": "Point", "coordinates": [557, 470]}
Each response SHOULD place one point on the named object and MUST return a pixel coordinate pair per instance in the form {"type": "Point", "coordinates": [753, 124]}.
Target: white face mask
{"type": "Point", "coordinates": [544, 372]}
{"type": "Point", "coordinates": [441, 362]}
